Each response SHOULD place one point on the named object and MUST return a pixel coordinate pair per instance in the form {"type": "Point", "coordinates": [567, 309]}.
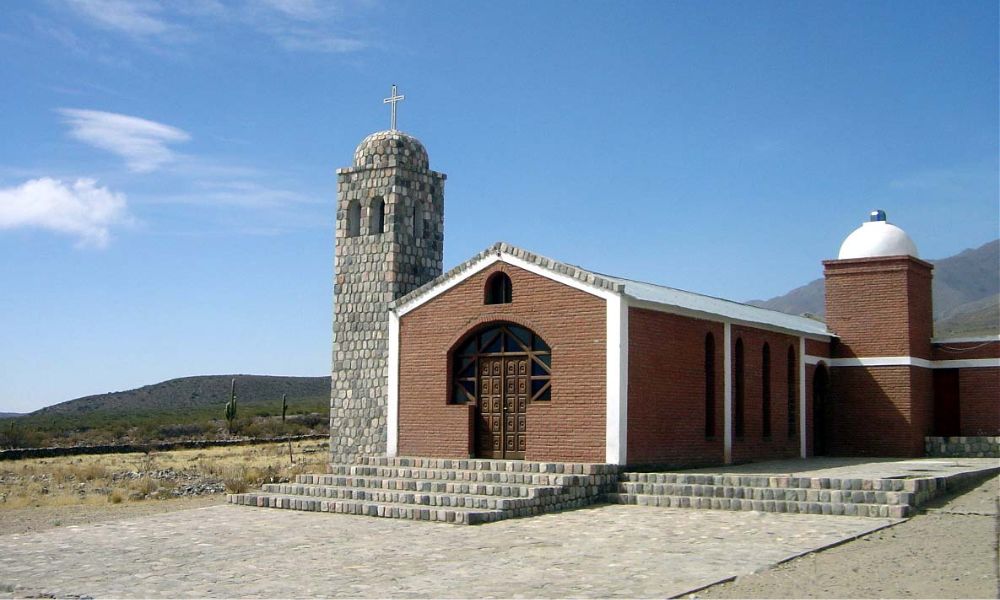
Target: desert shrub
{"type": "Point", "coordinates": [145, 486]}
{"type": "Point", "coordinates": [311, 420]}
{"type": "Point", "coordinates": [115, 497]}
{"type": "Point", "coordinates": [180, 430]}
{"type": "Point", "coordinates": [236, 480]}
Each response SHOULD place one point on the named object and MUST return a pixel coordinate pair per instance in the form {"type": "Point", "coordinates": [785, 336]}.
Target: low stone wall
{"type": "Point", "coordinates": [963, 446]}
{"type": "Point", "coordinates": [19, 453]}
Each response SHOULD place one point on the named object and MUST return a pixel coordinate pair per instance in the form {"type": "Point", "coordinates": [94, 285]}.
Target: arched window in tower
{"type": "Point", "coordinates": [738, 386]}
{"type": "Point", "coordinates": [376, 216]}
{"type": "Point", "coordinates": [418, 220]}
{"type": "Point", "coordinates": [709, 385]}
{"type": "Point", "coordinates": [498, 289]}
{"type": "Point", "coordinates": [765, 391]}
{"type": "Point", "coordinates": [353, 218]}
{"type": "Point", "coordinates": [792, 426]}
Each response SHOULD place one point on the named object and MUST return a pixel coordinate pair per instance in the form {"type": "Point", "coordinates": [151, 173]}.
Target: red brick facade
{"type": "Point", "coordinates": [880, 306]}
{"type": "Point", "coordinates": [666, 390]}
{"type": "Point", "coordinates": [753, 444]}
{"type": "Point", "coordinates": [979, 391]}
{"type": "Point", "coordinates": [569, 427]}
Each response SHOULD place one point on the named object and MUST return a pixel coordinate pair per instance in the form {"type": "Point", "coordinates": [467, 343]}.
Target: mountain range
{"type": "Point", "coordinates": [966, 291]}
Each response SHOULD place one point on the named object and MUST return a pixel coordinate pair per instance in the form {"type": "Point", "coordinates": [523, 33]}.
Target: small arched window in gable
{"type": "Point", "coordinates": [418, 220]}
{"type": "Point", "coordinates": [353, 218]}
{"type": "Point", "coordinates": [498, 289]}
{"type": "Point", "coordinates": [376, 216]}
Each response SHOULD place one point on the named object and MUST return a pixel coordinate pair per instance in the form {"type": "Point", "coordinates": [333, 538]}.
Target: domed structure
{"type": "Point", "coordinates": [877, 237]}
{"type": "Point", "coordinates": [391, 148]}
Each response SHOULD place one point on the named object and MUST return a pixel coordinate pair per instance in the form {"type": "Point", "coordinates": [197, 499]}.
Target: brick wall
{"type": "Point", "coordinates": [569, 427]}
{"type": "Point", "coordinates": [979, 401]}
{"type": "Point", "coordinates": [879, 306]}
{"type": "Point", "coordinates": [881, 411]}
{"type": "Point", "coordinates": [666, 390]}
{"type": "Point", "coordinates": [753, 445]}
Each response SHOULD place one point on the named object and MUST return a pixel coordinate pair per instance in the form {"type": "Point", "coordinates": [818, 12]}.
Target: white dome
{"type": "Point", "coordinates": [877, 238]}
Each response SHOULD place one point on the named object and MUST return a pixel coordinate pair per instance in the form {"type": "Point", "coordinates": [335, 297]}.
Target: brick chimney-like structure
{"type": "Point", "coordinates": [878, 303]}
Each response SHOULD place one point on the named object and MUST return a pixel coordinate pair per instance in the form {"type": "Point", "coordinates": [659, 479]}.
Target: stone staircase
{"type": "Point", "coordinates": [894, 498]}
{"type": "Point", "coordinates": [455, 491]}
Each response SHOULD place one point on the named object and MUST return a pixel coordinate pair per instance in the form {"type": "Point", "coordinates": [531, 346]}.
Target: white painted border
{"type": "Point", "coordinates": [905, 361]}
{"type": "Point", "coordinates": [616, 426]}
{"type": "Point", "coordinates": [803, 443]}
{"type": "Point", "coordinates": [727, 392]}
{"type": "Point", "coordinates": [392, 412]}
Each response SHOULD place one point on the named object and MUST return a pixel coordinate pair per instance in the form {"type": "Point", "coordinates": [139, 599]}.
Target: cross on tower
{"type": "Point", "coordinates": [393, 99]}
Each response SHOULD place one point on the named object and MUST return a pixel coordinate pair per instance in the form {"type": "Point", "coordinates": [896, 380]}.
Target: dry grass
{"type": "Point", "coordinates": [118, 478]}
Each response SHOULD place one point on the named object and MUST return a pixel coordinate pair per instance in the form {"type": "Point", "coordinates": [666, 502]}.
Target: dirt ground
{"type": "Point", "coordinates": [31, 519]}
{"type": "Point", "coordinates": [949, 551]}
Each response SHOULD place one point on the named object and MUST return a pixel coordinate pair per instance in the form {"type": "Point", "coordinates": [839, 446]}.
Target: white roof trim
{"type": "Point", "coordinates": [640, 294]}
{"type": "Point", "coordinates": [500, 256]}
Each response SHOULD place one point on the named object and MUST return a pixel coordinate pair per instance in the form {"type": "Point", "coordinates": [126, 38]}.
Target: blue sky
{"type": "Point", "coordinates": [167, 168]}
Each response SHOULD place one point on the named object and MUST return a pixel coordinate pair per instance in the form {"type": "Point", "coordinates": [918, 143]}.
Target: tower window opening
{"type": "Point", "coordinates": [498, 289]}
{"type": "Point", "coordinates": [418, 220]}
{"type": "Point", "coordinates": [376, 216]}
{"type": "Point", "coordinates": [353, 218]}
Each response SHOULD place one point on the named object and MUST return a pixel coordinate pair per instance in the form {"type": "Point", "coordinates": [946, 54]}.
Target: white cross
{"type": "Point", "coordinates": [393, 99]}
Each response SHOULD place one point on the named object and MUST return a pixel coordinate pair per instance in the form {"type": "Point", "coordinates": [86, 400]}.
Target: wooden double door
{"type": "Point", "coordinates": [501, 415]}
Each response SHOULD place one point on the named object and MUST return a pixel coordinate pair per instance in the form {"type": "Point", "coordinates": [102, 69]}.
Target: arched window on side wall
{"type": "Point", "coordinates": [765, 390]}
{"type": "Point", "coordinates": [738, 385]}
{"type": "Point", "coordinates": [353, 218]}
{"type": "Point", "coordinates": [793, 428]}
{"type": "Point", "coordinates": [709, 385]}
{"type": "Point", "coordinates": [418, 220]}
{"type": "Point", "coordinates": [376, 216]}
{"type": "Point", "coordinates": [498, 289]}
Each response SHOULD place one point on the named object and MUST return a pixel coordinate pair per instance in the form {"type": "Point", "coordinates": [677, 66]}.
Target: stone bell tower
{"type": "Point", "coordinates": [389, 241]}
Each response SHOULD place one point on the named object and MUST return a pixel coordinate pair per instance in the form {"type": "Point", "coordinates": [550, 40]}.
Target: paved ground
{"type": "Point", "coordinates": [232, 551]}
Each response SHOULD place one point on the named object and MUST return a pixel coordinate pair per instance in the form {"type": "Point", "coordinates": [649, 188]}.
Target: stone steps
{"type": "Point", "coordinates": [786, 494]}
{"type": "Point", "coordinates": [446, 500]}
{"type": "Point", "coordinates": [462, 516]}
{"type": "Point", "coordinates": [453, 491]}
{"type": "Point", "coordinates": [784, 481]}
{"type": "Point", "coordinates": [777, 506]}
{"type": "Point", "coordinates": [520, 490]}
{"type": "Point", "coordinates": [444, 474]}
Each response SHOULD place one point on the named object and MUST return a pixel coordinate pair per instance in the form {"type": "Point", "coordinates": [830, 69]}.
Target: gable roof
{"type": "Point", "coordinates": [638, 293]}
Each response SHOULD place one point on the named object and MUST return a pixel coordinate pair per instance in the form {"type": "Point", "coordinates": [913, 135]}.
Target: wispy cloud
{"type": "Point", "coordinates": [81, 209]}
{"type": "Point", "coordinates": [142, 143]}
{"type": "Point", "coordinates": [133, 17]}
{"type": "Point", "coordinates": [295, 25]}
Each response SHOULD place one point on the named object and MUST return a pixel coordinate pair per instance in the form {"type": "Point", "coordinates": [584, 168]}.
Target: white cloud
{"type": "Point", "coordinates": [137, 18]}
{"type": "Point", "coordinates": [296, 25]}
{"type": "Point", "coordinates": [142, 143]}
{"type": "Point", "coordinates": [81, 209]}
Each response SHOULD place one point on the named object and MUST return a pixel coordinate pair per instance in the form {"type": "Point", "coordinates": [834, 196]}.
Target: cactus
{"type": "Point", "coordinates": [284, 406]}
{"type": "Point", "coordinates": [231, 408]}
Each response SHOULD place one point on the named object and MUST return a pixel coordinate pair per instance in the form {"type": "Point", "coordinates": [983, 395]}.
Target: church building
{"type": "Point", "coordinates": [511, 355]}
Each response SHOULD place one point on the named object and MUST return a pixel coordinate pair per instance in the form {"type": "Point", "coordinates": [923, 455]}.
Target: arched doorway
{"type": "Point", "coordinates": [502, 369]}
{"type": "Point", "coordinates": [821, 410]}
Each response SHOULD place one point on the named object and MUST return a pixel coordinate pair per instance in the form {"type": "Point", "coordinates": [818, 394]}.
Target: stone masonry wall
{"type": "Point", "coordinates": [371, 270]}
